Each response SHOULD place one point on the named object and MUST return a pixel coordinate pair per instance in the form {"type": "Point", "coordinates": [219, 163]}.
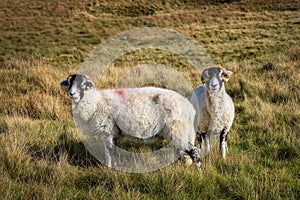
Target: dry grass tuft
{"type": "Point", "coordinates": [293, 53]}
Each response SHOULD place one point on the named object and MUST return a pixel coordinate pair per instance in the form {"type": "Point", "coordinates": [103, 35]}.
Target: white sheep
{"type": "Point", "coordinates": [214, 108]}
{"type": "Point", "coordinates": [142, 114]}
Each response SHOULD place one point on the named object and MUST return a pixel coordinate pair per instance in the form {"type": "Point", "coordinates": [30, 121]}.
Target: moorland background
{"type": "Point", "coordinates": [41, 155]}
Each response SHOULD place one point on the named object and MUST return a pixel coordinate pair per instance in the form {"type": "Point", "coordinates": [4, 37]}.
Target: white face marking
{"type": "Point", "coordinates": [214, 84]}
{"type": "Point", "coordinates": [206, 73]}
{"type": "Point", "coordinates": [74, 93]}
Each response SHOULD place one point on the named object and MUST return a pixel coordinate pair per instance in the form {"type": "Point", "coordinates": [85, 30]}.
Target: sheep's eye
{"type": "Point", "coordinates": [220, 72]}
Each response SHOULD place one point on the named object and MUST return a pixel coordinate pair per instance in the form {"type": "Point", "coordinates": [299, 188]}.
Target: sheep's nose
{"type": "Point", "coordinates": [214, 86]}
{"type": "Point", "coordinates": [71, 94]}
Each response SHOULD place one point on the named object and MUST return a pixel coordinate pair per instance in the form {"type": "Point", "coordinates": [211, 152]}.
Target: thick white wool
{"type": "Point", "coordinates": [214, 110]}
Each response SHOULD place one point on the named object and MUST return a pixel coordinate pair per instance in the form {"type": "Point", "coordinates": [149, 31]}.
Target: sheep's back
{"type": "Point", "coordinates": [144, 112]}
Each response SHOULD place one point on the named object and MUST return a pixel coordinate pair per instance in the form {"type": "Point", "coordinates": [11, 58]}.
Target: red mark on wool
{"type": "Point", "coordinates": [120, 93]}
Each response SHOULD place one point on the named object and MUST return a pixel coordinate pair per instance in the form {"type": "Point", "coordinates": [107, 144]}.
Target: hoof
{"type": "Point", "coordinates": [186, 159]}
{"type": "Point", "coordinates": [198, 166]}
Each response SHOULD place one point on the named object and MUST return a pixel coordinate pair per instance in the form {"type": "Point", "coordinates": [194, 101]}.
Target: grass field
{"type": "Point", "coordinates": [41, 43]}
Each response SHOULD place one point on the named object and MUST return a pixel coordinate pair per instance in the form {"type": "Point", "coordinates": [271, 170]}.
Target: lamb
{"type": "Point", "coordinates": [214, 108]}
{"type": "Point", "coordinates": [138, 114]}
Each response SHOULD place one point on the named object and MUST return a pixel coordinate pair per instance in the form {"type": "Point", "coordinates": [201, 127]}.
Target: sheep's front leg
{"type": "Point", "coordinates": [199, 139]}
{"type": "Point", "coordinates": [109, 152]}
{"type": "Point", "coordinates": [223, 142]}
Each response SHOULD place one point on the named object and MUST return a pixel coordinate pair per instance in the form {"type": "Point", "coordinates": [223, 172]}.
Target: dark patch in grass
{"type": "Point", "coordinates": [130, 10]}
{"type": "Point", "coordinates": [236, 94]}
{"type": "Point", "coordinates": [268, 66]}
{"type": "Point", "coordinates": [278, 98]}
{"type": "Point", "coordinates": [3, 126]}
{"type": "Point", "coordinates": [246, 145]}
{"type": "Point", "coordinates": [287, 152]}
{"type": "Point", "coordinates": [218, 2]}
{"type": "Point", "coordinates": [239, 92]}
{"type": "Point", "coordinates": [76, 151]}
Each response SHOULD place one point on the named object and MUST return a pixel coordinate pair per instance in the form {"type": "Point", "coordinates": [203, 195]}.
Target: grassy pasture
{"type": "Point", "coordinates": [41, 155]}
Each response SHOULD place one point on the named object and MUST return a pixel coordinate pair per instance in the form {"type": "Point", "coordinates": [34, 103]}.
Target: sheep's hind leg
{"type": "Point", "coordinates": [193, 152]}
{"type": "Point", "coordinates": [223, 142]}
{"type": "Point", "coordinates": [206, 137]}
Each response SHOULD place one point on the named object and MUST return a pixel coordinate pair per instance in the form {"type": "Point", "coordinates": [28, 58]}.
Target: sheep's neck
{"type": "Point", "coordinates": [85, 108]}
{"type": "Point", "coordinates": [214, 102]}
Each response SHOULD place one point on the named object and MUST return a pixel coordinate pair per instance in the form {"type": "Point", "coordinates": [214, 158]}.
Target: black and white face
{"type": "Point", "coordinates": [214, 78]}
{"type": "Point", "coordinates": [77, 84]}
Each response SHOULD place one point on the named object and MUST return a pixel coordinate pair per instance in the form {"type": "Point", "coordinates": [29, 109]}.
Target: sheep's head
{"type": "Point", "coordinates": [214, 78]}
{"type": "Point", "coordinates": [77, 84]}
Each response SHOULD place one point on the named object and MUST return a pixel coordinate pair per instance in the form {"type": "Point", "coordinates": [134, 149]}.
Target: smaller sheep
{"type": "Point", "coordinates": [214, 108]}
{"type": "Point", "coordinates": [138, 114]}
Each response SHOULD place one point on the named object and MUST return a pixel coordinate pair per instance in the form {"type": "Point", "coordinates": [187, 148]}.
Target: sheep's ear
{"type": "Point", "coordinates": [64, 83]}
{"type": "Point", "coordinates": [226, 75]}
{"type": "Point", "coordinates": [204, 73]}
{"type": "Point", "coordinates": [89, 84]}
{"type": "Point", "coordinates": [202, 80]}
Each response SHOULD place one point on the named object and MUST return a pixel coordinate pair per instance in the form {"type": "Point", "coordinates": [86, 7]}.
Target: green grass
{"type": "Point", "coordinates": [41, 155]}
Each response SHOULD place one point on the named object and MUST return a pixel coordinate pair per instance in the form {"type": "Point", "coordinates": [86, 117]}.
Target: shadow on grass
{"type": "Point", "coordinates": [77, 154]}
